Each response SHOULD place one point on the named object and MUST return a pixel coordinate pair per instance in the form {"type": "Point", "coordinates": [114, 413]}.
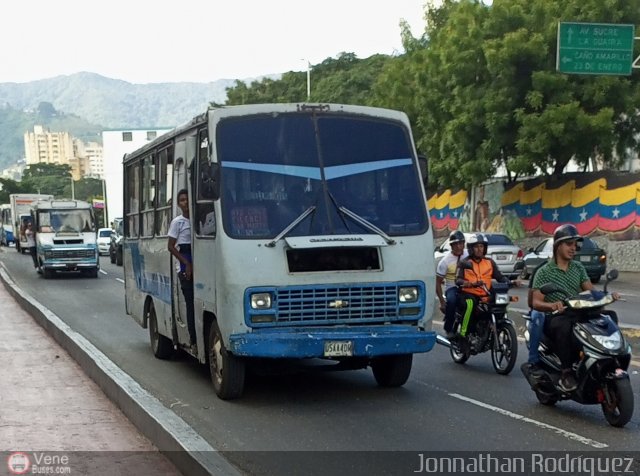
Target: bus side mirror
{"type": "Point", "coordinates": [210, 182]}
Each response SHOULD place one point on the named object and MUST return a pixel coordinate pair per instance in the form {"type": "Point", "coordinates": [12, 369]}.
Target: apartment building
{"type": "Point", "coordinates": [44, 146]}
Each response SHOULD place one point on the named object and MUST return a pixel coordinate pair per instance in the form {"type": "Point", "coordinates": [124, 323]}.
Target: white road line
{"type": "Point", "coordinates": [560, 431]}
{"type": "Point", "coordinates": [103, 272]}
{"type": "Point", "coordinates": [121, 280]}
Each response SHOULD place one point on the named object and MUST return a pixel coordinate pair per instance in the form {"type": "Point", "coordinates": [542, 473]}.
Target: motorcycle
{"type": "Point", "coordinates": [493, 331]}
{"type": "Point", "coordinates": [604, 357]}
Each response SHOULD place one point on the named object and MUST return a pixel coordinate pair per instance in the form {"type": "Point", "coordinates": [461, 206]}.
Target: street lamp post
{"type": "Point", "coordinates": [308, 77]}
{"type": "Point", "coordinates": [308, 80]}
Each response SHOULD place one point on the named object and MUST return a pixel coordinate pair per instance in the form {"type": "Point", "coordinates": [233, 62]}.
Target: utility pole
{"type": "Point", "coordinates": [73, 191]}
{"type": "Point", "coordinates": [104, 202]}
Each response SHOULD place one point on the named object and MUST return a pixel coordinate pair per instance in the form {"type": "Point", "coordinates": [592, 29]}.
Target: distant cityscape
{"type": "Point", "coordinates": [86, 159]}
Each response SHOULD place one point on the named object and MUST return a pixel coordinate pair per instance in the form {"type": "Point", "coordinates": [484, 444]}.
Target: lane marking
{"type": "Point", "coordinates": [121, 280]}
{"type": "Point", "coordinates": [102, 271]}
{"type": "Point", "coordinates": [567, 434]}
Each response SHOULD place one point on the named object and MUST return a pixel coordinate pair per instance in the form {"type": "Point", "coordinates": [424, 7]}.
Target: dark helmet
{"type": "Point", "coordinates": [456, 237]}
{"type": "Point", "coordinates": [474, 240]}
{"type": "Point", "coordinates": [565, 233]}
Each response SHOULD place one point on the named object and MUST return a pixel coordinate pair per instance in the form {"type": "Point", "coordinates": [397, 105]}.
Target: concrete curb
{"type": "Point", "coordinates": [185, 448]}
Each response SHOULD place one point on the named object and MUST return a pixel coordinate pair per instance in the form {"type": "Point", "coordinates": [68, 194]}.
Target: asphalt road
{"type": "Point", "coordinates": [444, 406]}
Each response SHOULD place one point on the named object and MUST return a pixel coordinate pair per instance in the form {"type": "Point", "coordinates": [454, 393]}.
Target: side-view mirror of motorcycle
{"type": "Point", "coordinates": [549, 288]}
{"type": "Point", "coordinates": [611, 276]}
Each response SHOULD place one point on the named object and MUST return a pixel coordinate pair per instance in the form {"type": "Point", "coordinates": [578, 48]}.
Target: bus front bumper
{"type": "Point", "coordinates": [371, 341]}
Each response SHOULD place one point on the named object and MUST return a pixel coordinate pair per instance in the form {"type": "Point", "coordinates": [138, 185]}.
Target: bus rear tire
{"type": "Point", "coordinates": [161, 346]}
{"type": "Point", "coordinates": [227, 371]}
{"type": "Point", "coordinates": [392, 370]}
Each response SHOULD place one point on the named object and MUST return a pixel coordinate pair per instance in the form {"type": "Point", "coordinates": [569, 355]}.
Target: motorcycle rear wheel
{"type": "Point", "coordinates": [504, 351]}
{"type": "Point", "coordinates": [620, 410]}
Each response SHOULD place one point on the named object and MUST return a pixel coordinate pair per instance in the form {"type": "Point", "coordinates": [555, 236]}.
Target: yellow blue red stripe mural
{"type": "Point", "coordinates": [597, 203]}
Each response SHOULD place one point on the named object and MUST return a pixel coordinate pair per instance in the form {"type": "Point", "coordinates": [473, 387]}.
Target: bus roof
{"type": "Point", "coordinates": [250, 109]}
{"type": "Point", "coordinates": [61, 204]}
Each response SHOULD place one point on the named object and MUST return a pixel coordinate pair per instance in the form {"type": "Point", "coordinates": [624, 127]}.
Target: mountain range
{"type": "Point", "coordinates": [85, 103]}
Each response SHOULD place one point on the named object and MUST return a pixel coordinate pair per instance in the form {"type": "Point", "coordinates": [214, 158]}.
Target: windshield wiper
{"type": "Point", "coordinates": [367, 224]}
{"type": "Point", "coordinates": [292, 225]}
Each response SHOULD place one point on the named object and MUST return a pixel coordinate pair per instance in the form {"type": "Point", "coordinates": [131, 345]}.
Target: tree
{"type": "Point", "coordinates": [486, 94]}
{"type": "Point", "coordinates": [7, 187]}
{"type": "Point", "coordinates": [47, 179]}
{"type": "Point", "coordinates": [345, 79]}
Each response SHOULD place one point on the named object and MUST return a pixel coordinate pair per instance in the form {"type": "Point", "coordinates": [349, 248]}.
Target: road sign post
{"type": "Point", "coordinates": [595, 48]}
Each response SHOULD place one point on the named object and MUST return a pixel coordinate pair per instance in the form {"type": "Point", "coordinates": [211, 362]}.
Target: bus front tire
{"type": "Point", "coordinates": [227, 371]}
{"type": "Point", "coordinates": [392, 370]}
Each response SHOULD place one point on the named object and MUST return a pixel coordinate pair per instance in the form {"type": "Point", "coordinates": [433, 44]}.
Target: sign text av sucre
{"type": "Point", "coordinates": [595, 48]}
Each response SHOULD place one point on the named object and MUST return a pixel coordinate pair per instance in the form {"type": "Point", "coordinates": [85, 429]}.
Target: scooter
{"type": "Point", "coordinates": [493, 331]}
{"type": "Point", "coordinates": [604, 357]}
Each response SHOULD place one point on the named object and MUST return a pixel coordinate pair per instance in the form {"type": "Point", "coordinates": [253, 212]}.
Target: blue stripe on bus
{"type": "Point", "coordinates": [156, 284]}
{"type": "Point", "coordinates": [334, 172]}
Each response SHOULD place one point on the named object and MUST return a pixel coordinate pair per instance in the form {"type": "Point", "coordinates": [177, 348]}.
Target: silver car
{"type": "Point", "coordinates": [501, 249]}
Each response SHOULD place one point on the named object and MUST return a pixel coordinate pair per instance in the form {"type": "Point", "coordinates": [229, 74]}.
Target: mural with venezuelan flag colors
{"type": "Point", "coordinates": [596, 203]}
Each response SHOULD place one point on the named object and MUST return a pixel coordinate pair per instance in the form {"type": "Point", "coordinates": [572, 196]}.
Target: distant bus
{"type": "Point", "coordinates": [310, 239]}
{"type": "Point", "coordinates": [6, 225]}
{"type": "Point", "coordinates": [66, 237]}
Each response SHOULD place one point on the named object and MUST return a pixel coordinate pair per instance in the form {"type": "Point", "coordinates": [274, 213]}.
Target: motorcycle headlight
{"type": "Point", "coordinates": [502, 299]}
{"type": "Point", "coordinates": [614, 341]}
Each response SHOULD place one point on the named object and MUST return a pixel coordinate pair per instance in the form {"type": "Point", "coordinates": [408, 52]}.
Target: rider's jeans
{"type": "Point", "coordinates": [451, 296]}
{"type": "Point", "coordinates": [536, 327]}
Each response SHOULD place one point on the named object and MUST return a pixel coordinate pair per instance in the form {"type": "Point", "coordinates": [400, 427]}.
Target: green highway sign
{"type": "Point", "coordinates": [595, 48]}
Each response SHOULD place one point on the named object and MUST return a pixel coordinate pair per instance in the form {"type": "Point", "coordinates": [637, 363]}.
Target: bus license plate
{"type": "Point", "coordinates": [339, 348]}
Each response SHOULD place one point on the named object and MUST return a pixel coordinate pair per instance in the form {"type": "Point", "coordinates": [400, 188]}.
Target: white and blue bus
{"type": "Point", "coordinates": [6, 225]}
{"type": "Point", "coordinates": [310, 239]}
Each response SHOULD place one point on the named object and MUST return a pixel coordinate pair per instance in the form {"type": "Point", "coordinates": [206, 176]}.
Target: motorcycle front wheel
{"type": "Point", "coordinates": [504, 351]}
{"type": "Point", "coordinates": [619, 408]}
{"type": "Point", "coordinates": [460, 352]}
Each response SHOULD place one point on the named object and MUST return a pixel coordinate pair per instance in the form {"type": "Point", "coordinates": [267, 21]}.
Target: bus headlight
{"type": "Point", "coordinates": [408, 294]}
{"type": "Point", "coordinates": [261, 301]}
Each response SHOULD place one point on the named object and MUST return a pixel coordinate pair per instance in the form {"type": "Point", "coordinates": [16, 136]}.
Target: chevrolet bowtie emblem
{"type": "Point", "coordinates": [339, 304]}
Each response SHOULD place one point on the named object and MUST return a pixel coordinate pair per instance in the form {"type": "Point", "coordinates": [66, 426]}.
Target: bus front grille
{"type": "Point", "coordinates": [69, 254]}
{"type": "Point", "coordinates": [339, 304]}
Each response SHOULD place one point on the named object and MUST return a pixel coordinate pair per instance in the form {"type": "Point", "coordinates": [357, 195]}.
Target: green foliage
{"type": "Point", "coordinates": [47, 179]}
{"type": "Point", "coordinates": [345, 79]}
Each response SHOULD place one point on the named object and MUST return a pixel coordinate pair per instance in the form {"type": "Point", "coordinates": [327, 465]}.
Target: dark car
{"type": "Point", "coordinates": [590, 255]}
{"type": "Point", "coordinates": [115, 246]}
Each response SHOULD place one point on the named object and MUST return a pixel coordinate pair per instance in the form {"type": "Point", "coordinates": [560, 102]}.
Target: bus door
{"type": "Point", "coordinates": [180, 181]}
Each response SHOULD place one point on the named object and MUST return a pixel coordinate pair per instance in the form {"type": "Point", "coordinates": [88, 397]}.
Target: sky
{"type": "Point", "coordinates": [144, 41]}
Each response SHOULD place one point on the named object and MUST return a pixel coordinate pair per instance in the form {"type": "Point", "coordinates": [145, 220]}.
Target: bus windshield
{"type": "Point", "coordinates": [65, 221]}
{"type": "Point", "coordinates": [274, 167]}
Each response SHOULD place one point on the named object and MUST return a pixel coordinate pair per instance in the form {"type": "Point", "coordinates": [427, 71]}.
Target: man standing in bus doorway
{"type": "Point", "coordinates": [179, 246]}
{"type": "Point", "coordinates": [31, 243]}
